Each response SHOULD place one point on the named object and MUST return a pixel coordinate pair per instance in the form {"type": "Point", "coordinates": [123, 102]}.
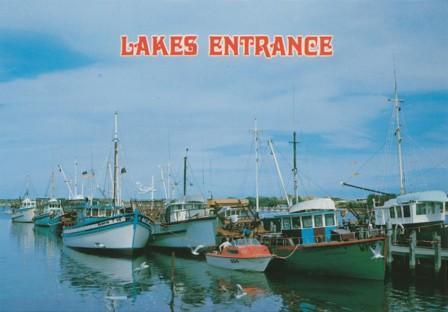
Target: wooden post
{"type": "Point", "coordinates": [389, 256]}
{"type": "Point", "coordinates": [437, 254]}
{"type": "Point", "coordinates": [412, 247]}
{"type": "Point", "coordinates": [173, 271]}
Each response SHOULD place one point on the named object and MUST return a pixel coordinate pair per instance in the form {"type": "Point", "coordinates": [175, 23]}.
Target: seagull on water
{"type": "Point", "coordinates": [142, 267]}
{"type": "Point", "coordinates": [240, 291]}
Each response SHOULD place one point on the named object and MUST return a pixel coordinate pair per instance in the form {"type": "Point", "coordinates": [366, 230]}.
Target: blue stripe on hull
{"type": "Point", "coordinates": [103, 228]}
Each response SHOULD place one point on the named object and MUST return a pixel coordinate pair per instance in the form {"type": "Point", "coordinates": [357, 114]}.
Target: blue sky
{"type": "Point", "coordinates": [61, 79]}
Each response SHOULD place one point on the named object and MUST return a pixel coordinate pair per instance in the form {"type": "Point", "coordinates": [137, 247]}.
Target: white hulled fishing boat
{"type": "Point", "coordinates": [111, 228]}
{"type": "Point", "coordinates": [188, 223]}
{"type": "Point", "coordinates": [25, 213]}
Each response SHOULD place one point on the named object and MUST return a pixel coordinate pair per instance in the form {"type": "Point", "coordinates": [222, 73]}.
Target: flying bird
{"type": "Point", "coordinates": [196, 250]}
{"type": "Point", "coordinates": [377, 252]}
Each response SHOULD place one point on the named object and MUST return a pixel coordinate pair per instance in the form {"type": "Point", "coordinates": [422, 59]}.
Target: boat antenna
{"type": "Point", "coordinates": [397, 108]}
{"type": "Point", "coordinates": [256, 132]}
{"type": "Point", "coordinates": [294, 143]}
{"type": "Point", "coordinates": [185, 172]}
{"type": "Point", "coordinates": [115, 182]}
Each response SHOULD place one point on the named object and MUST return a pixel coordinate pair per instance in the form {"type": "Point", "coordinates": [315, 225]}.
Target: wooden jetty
{"type": "Point", "coordinates": [416, 250]}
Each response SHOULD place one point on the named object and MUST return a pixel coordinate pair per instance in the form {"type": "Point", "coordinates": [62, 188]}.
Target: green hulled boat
{"type": "Point", "coordinates": [308, 240]}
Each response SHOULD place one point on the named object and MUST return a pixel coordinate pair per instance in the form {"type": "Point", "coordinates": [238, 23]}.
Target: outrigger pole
{"type": "Point", "coordinates": [365, 189]}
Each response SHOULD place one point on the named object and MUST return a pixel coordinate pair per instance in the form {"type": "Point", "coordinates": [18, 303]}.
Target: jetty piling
{"type": "Point", "coordinates": [389, 256]}
{"type": "Point", "coordinates": [412, 248]}
{"type": "Point", "coordinates": [437, 254]}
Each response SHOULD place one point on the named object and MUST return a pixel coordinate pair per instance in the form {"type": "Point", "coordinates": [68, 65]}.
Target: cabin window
{"type": "Point", "coordinates": [94, 212]}
{"type": "Point", "coordinates": [392, 212]}
{"type": "Point", "coordinates": [276, 226]}
{"type": "Point", "coordinates": [307, 222]}
{"type": "Point", "coordinates": [108, 213]}
{"type": "Point", "coordinates": [296, 223]}
{"type": "Point", "coordinates": [329, 219]}
{"type": "Point", "coordinates": [267, 225]}
{"type": "Point", "coordinates": [88, 212]}
{"type": "Point", "coordinates": [399, 214]}
{"type": "Point", "coordinates": [438, 207]}
{"type": "Point", "coordinates": [406, 211]}
{"type": "Point", "coordinates": [318, 222]}
{"type": "Point", "coordinates": [421, 209]}
{"type": "Point", "coordinates": [286, 224]}
{"type": "Point", "coordinates": [431, 208]}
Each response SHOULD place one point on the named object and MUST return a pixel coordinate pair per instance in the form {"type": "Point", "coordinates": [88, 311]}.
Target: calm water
{"type": "Point", "coordinates": [39, 274]}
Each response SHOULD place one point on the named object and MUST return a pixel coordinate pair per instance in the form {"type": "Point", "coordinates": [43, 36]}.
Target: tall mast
{"type": "Point", "coordinates": [52, 189]}
{"type": "Point", "coordinates": [115, 181]}
{"type": "Point", "coordinates": [396, 102]}
{"type": "Point", "coordinates": [294, 166]}
{"type": "Point", "coordinates": [185, 173]}
{"type": "Point", "coordinates": [256, 132]}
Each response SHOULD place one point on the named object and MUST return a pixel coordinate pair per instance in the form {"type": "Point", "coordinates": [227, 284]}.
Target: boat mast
{"type": "Point", "coordinates": [52, 189]}
{"type": "Point", "coordinates": [271, 146]}
{"type": "Point", "coordinates": [396, 102]}
{"type": "Point", "coordinates": [257, 199]}
{"type": "Point", "coordinates": [115, 181]}
{"type": "Point", "coordinates": [294, 166]}
{"type": "Point", "coordinates": [185, 172]}
{"type": "Point", "coordinates": [76, 179]}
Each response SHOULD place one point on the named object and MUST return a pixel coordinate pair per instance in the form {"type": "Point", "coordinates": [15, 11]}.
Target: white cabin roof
{"type": "Point", "coordinates": [437, 196]}
{"type": "Point", "coordinates": [314, 204]}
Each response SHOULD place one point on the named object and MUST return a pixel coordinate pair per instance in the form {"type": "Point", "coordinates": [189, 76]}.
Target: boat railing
{"type": "Point", "coordinates": [278, 239]}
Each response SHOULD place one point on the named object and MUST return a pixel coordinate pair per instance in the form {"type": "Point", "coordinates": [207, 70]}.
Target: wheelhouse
{"type": "Point", "coordinates": [186, 209]}
{"type": "Point", "coordinates": [413, 208]}
{"type": "Point", "coordinates": [307, 222]}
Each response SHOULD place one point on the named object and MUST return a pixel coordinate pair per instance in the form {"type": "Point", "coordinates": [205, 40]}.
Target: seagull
{"type": "Point", "coordinates": [142, 267]}
{"type": "Point", "coordinates": [377, 252]}
{"type": "Point", "coordinates": [240, 292]}
{"type": "Point", "coordinates": [195, 251]}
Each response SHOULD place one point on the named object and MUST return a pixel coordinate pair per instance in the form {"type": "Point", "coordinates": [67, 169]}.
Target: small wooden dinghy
{"type": "Point", "coordinates": [244, 254]}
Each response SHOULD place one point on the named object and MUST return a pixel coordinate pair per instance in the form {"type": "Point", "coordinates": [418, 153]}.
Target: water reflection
{"type": "Point", "coordinates": [23, 234]}
{"type": "Point", "coordinates": [117, 278]}
{"type": "Point", "coordinates": [197, 284]}
{"type": "Point", "coordinates": [36, 263]}
{"type": "Point", "coordinates": [47, 241]}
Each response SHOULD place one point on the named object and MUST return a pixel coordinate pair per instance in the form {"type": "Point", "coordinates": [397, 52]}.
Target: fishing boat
{"type": "Point", "coordinates": [187, 223]}
{"type": "Point", "coordinates": [25, 213]}
{"type": "Point", "coordinates": [246, 254]}
{"type": "Point", "coordinates": [423, 212]}
{"type": "Point", "coordinates": [51, 215]}
{"type": "Point", "coordinates": [308, 240]}
{"type": "Point", "coordinates": [107, 228]}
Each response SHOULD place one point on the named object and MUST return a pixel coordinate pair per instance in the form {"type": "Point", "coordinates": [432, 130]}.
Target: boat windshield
{"type": "Point", "coordinates": [245, 241]}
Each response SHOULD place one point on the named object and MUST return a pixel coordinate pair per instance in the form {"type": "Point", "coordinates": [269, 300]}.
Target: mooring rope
{"type": "Point", "coordinates": [292, 252]}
